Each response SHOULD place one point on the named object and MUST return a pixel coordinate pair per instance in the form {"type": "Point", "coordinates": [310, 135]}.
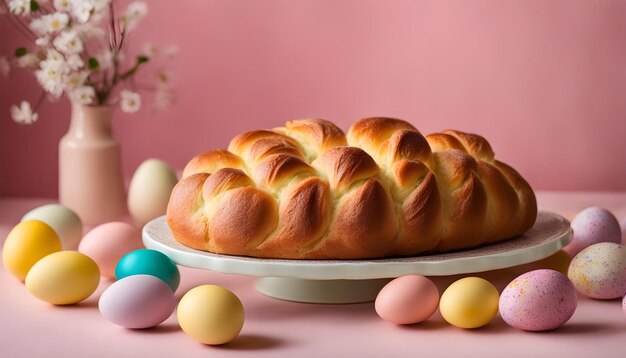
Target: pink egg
{"type": "Point", "coordinates": [138, 301]}
{"type": "Point", "coordinates": [407, 300]}
{"type": "Point", "coordinates": [539, 300]}
{"type": "Point", "coordinates": [591, 226]}
{"type": "Point", "coordinates": [108, 243]}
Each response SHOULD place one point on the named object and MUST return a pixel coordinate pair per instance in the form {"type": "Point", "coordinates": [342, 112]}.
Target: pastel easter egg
{"type": "Point", "coordinates": [27, 243]}
{"type": "Point", "coordinates": [407, 300]}
{"type": "Point", "coordinates": [63, 278]}
{"type": "Point", "coordinates": [210, 314]}
{"type": "Point", "coordinates": [106, 244]}
{"type": "Point", "coordinates": [138, 301]}
{"type": "Point", "coordinates": [470, 302]}
{"type": "Point", "coordinates": [599, 271]}
{"type": "Point", "coordinates": [63, 220]}
{"type": "Point", "coordinates": [539, 300]}
{"type": "Point", "coordinates": [149, 190]}
{"type": "Point", "coordinates": [149, 262]}
{"type": "Point", "coordinates": [591, 226]}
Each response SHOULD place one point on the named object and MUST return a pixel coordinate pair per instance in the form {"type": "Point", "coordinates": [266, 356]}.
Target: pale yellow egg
{"type": "Point", "coordinates": [27, 243]}
{"type": "Point", "coordinates": [149, 190]}
{"type": "Point", "coordinates": [470, 302]}
{"type": "Point", "coordinates": [210, 314]}
{"type": "Point", "coordinates": [63, 278]}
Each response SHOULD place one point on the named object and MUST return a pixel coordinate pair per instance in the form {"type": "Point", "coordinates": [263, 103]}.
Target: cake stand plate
{"type": "Point", "coordinates": [351, 281]}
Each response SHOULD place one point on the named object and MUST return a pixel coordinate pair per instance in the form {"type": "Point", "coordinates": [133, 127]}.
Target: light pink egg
{"type": "Point", "coordinates": [591, 226]}
{"type": "Point", "coordinates": [138, 301]}
{"type": "Point", "coordinates": [108, 243]}
{"type": "Point", "coordinates": [407, 300]}
{"type": "Point", "coordinates": [539, 300]}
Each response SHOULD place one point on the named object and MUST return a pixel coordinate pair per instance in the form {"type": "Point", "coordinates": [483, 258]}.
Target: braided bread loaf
{"type": "Point", "coordinates": [307, 191]}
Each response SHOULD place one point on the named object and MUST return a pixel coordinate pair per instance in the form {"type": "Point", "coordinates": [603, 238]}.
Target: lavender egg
{"type": "Point", "coordinates": [599, 271]}
{"type": "Point", "coordinates": [539, 300]}
{"type": "Point", "coordinates": [591, 226]}
{"type": "Point", "coordinates": [138, 301]}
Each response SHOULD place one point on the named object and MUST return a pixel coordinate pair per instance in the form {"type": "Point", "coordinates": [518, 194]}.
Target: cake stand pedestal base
{"type": "Point", "coordinates": [320, 291]}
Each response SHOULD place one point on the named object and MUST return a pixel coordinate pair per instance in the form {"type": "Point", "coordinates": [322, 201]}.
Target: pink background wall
{"type": "Point", "coordinates": [544, 81]}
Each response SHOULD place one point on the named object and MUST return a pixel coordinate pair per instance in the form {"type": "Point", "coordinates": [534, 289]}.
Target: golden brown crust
{"type": "Point", "coordinates": [307, 191]}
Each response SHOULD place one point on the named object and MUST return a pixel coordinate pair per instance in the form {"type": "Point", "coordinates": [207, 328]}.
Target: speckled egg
{"type": "Point", "coordinates": [539, 300]}
{"type": "Point", "coordinates": [407, 299]}
{"type": "Point", "coordinates": [591, 226]}
{"type": "Point", "coordinates": [599, 271]}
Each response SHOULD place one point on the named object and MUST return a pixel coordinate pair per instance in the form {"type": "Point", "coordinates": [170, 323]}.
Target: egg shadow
{"type": "Point", "coordinates": [584, 328]}
{"type": "Point", "coordinates": [160, 329]}
{"type": "Point", "coordinates": [252, 342]}
{"type": "Point", "coordinates": [428, 325]}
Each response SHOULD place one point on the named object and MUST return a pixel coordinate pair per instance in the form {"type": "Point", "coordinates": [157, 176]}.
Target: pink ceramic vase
{"type": "Point", "coordinates": [90, 167]}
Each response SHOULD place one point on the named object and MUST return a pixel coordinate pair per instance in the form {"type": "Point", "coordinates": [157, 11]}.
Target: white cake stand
{"type": "Point", "coordinates": [352, 281]}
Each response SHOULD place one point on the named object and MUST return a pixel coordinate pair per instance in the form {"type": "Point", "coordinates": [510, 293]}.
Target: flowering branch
{"type": "Point", "coordinates": [71, 56]}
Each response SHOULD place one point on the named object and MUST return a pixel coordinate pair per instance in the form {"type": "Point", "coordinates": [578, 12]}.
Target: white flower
{"type": "Point", "coordinates": [84, 9]}
{"type": "Point", "coordinates": [163, 98]}
{"type": "Point", "coordinates": [50, 23]}
{"type": "Point", "coordinates": [68, 43]}
{"type": "Point", "coordinates": [74, 62]}
{"type": "Point", "coordinates": [5, 66]}
{"type": "Point", "coordinates": [88, 31]}
{"type": "Point", "coordinates": [171, 51]}
{"type": "Point", "coordinates": [43, 41]}
{"type": "Point", "coordinates": [130, 101]}
{"type": "Point", "coordinates": [39, 25]}
{"type": "Point", "coordinates": [150, 49]}
{"type": "Point", "coordinates": [83, 95]}
{"type": "Point", "coordinates": [105, 59]}
{"type": "Point", "coordinates": [29, 60]}
{"type": "Point", "coordinates": [19, 7]}
{"type": "Point", "coordinates": [52, 72]}
{"type": "Point", "coordinates": [62, 5]}
{"type": "Point", "coordinates": [135, 11]}
{"type": "Point", "coordinates": [76, 79]}
{"type": "Point", "coordinates": [23, 114]}
{"type": "Point", "coordinates": [163, 78]}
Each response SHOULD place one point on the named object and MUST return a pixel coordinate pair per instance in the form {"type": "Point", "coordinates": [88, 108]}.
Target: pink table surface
{"type": "Point", "coordinates": [31, 328]}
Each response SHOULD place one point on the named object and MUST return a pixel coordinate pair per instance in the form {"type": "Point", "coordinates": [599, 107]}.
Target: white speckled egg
{"type": "Point", "coordinates": [149, 190]}
{"type": "Point", "coordinates": [539, 300]}
{"type": "Point", "coordinates": [599, 271]}
{"type": "Point", "coordinates": [63, 220]}
{"type": "Point", "coordinates": [591, 226]}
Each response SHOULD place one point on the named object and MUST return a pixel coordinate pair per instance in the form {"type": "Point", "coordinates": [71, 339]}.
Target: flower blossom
{"type": "Point", "coordinates": [23, 114]}
{"type": "Point", "coordinates": [19, 7]}
{"type": "Point", "coordinates": [130, 101]}
{"type": "Point", "coordinates": [83, 95]}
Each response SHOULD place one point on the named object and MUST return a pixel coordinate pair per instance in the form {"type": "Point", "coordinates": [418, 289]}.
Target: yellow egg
{"type": "Point", "coordinates": [63, 278]}
{"type": "Point", "coordinates": [27, 243]}
{"type": "Point", "coordinates": [210, 314]}
{"type": "Point", "coordinates": [470, 302]}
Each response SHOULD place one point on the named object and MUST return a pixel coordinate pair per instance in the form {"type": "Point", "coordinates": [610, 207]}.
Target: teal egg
{"type": "Point", "coordinates": [149, 262]}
